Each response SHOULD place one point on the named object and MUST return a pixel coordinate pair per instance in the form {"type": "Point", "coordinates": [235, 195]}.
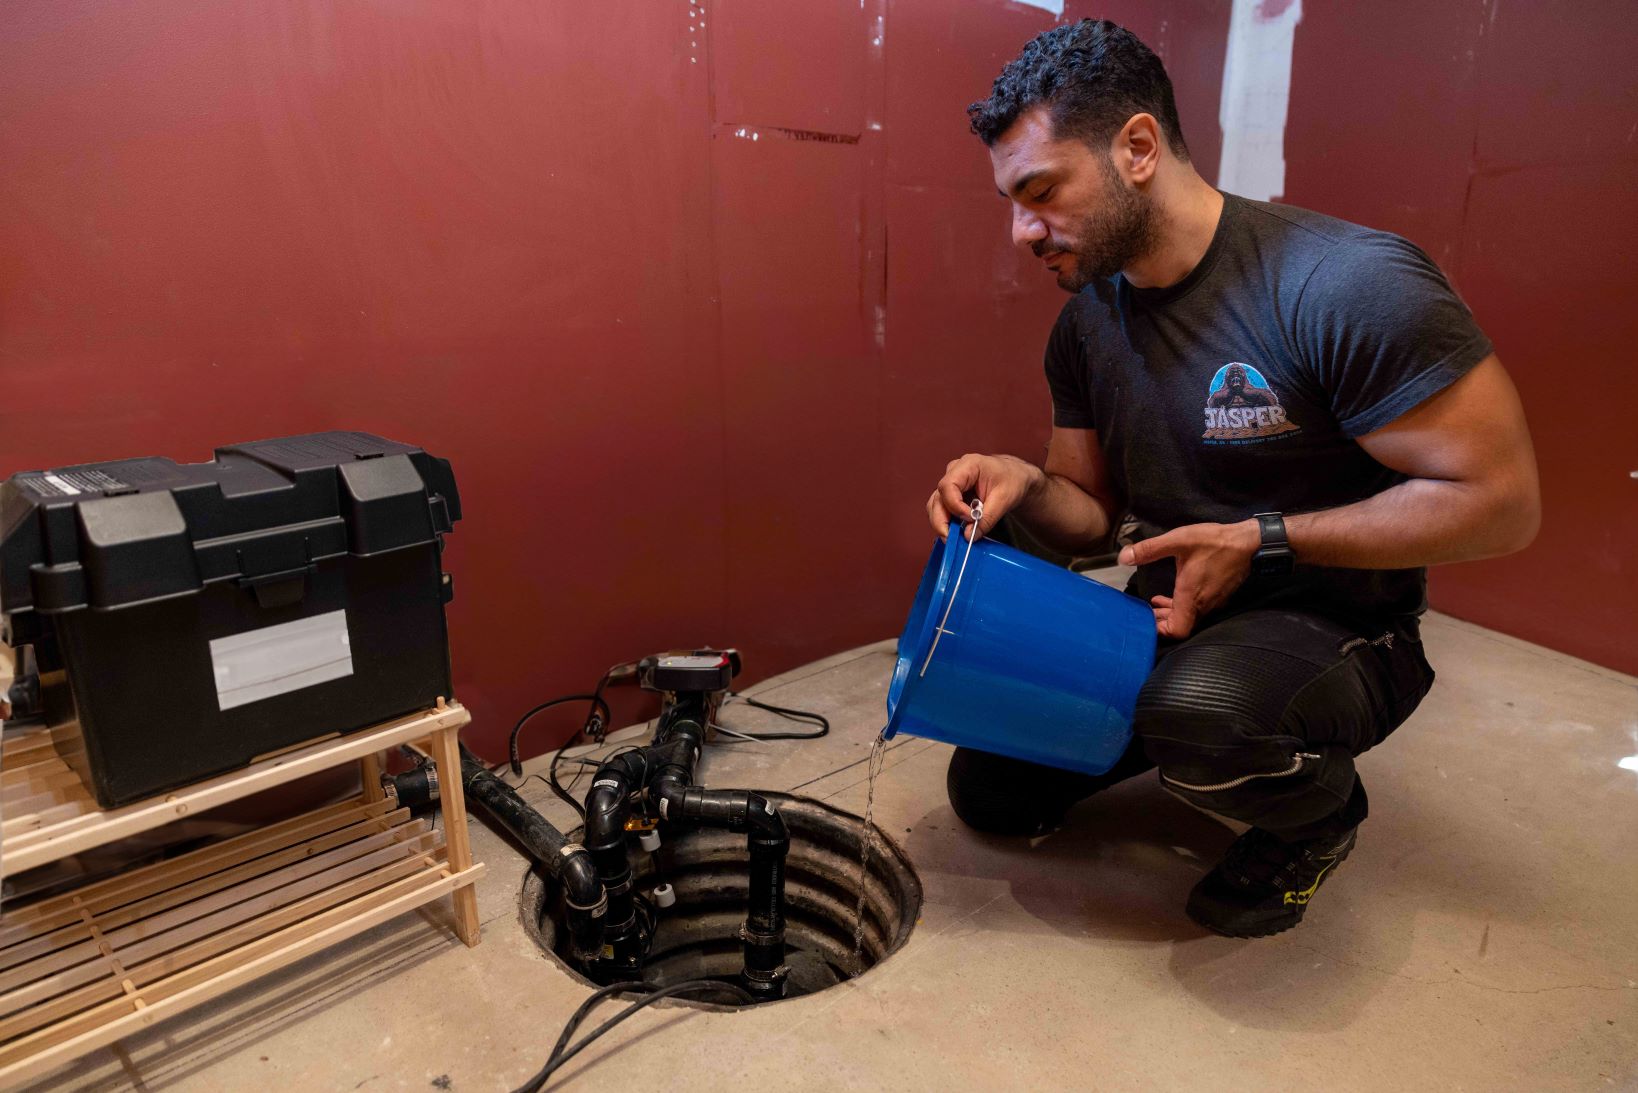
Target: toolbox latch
{"type": "Point", "coordinates": [277, 589]}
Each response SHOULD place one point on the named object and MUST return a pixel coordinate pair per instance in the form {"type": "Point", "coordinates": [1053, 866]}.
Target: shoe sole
{"type": "Point", "coordinates": [1271, 928]}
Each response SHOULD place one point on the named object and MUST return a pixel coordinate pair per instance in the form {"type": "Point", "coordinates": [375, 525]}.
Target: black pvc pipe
{"type": "Point", "coordinates": [583, 895]}
{"type": "Point", "coordinates": [415, 787]}
{"type": "Point", "coordinates": [666, 769]}
{"type": "Point", "coordinates": [763, 935]}
{"type": "Point", "coordinates": [608, 805]}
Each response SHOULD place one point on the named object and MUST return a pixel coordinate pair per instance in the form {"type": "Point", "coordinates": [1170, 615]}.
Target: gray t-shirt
{"type": "Point", "coordinates": [1241, 389]}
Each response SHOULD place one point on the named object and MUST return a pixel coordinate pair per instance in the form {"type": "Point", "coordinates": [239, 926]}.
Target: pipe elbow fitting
{"type": "Point", "coordinates": [605, 819]}
{"type": "Point", "coordinates": [580, 883]}
{"type": "Point", "coordinates": [668, 792]}
{"type": "Point", "coordinates": [606, 803]}
{"type": "Point", "coordinates": [586, 904]}
{"type": "Point", "coordinates": [764, 822]}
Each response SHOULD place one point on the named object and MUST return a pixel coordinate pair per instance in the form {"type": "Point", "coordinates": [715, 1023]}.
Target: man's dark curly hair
{"type": "Point", "coordinates": [1093, 76]}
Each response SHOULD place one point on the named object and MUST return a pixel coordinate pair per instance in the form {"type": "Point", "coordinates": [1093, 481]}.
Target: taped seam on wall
{"type": "Point", "coordinates": [1256, 96]}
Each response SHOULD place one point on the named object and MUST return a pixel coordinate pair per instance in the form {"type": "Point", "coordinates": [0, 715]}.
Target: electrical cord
{"type": "Point", "coordinates": [598, 706]}
{"type": "Point", "coordinates": [512, 741]}
{"type": "Point", "coordinates": [786, 712]}
{"type": "Point", "coordinates": [562, 1052]}
{"type": "Point", "coordinates": [586, 1007]}
{"type": "Point", "coordinates": [557, 787]}
{"type": "Point", "coordinates": [595, 727]}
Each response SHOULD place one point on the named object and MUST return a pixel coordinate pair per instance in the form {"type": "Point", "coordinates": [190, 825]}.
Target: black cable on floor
{"type": "Point", "coordinates": [788, 714]}
{"type": "Point", "coordinates": [562, 1053]}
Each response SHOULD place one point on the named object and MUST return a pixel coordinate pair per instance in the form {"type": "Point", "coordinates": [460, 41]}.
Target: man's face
{"type": "Point", "coordinates": [1070, 205]}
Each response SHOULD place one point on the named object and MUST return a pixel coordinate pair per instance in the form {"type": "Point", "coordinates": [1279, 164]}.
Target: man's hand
{"type": "Point", "coordinates": [8, 671]}
{"type": "Point", "coordinates": [1002, 482]}
{"type": "Point", "coordinates": [1212, 561]}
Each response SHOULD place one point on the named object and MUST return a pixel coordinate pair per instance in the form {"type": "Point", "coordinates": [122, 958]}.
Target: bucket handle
{"type": "Point", "coordinates": [939, 631]}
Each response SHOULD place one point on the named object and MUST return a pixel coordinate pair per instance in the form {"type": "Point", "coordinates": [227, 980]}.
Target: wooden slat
{"type": "Point", "coordinates": [137, 884]}
{"type": "Point", "coordinates": [32, 801]}
{"type": "Point", "coordinates": [403, 840]}
{"type": "Point", "coordinates": [21, 775]}
{"type": "Point", "coordinates": [31, 732]}
{"type": "Point", "coordinates": [57, 840]}
{"type": "Point", "coordinates": [53, 1046]}
{"type": "Point", "coordinates": [28, 752]}
{"type": "Point", "coordinates": [87, 968]}
{"type": "Point", "coordinates": [369, 777]}
{"type": "Point", "coordinates": [50, 775]}
{"type": "Point", "coordinates": [127, 925]}
{"type": "Point", "coordinates": [29, 747]}
{"type": "Point", "coordinates": [446, 752]}
{"type": "Point", "coordinates": [34, 947]}
{"type": "Point", "coordinates": [226, 919]}
{"type": "Point", "coordinates": [53, 813]}
{"type": "Point", "coordinates": [47, 1001]}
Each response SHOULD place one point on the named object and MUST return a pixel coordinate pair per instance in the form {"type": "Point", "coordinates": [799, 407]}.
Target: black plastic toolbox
{"type": "Point", "coordinates": [189, 618]}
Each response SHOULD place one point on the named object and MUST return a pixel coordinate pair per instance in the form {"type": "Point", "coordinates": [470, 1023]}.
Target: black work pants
{"type": "Point", "coordinates": [1258, 717]}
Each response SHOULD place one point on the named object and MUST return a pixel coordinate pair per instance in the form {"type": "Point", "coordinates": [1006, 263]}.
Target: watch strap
{"type": "Point", "coordinates": [1274, 557]}
{"type": "Point", "coordinates": [1272, 526]}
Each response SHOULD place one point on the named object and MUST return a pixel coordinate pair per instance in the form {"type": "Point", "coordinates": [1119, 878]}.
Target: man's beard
{"type": "Point", "coordinates": [1124, 228]}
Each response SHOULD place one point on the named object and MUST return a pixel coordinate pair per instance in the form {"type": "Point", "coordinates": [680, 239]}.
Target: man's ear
{"type": "Point", "coordinates": [1136, 149]}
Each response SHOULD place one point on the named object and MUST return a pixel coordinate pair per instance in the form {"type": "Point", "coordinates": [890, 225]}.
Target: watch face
{"type": "Point", "coordinates": [1273, 562]}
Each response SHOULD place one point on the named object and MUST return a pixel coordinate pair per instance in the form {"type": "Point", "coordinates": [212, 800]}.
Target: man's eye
{"type": "Point", "coordinates": [1044, 194]}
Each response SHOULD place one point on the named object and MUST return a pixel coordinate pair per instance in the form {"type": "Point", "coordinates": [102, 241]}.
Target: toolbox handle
{"type": "Point", "coordinates": [283, 589]}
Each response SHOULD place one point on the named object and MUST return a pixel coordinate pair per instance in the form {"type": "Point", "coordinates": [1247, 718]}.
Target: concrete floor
{"type": "Point", "coordinates": [1482, 936]}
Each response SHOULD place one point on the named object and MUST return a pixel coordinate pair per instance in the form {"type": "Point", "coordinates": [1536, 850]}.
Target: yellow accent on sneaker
{"type": "Point", "coordinates": [1307, 893]}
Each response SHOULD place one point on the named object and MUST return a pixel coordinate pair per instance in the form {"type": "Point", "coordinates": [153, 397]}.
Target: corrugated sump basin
{"type": "Point", "coordinates": [698, 937]}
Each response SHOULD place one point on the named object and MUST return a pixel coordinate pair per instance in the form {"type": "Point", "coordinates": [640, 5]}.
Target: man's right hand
{"type": "Point", "coordinates": [1002, 482]}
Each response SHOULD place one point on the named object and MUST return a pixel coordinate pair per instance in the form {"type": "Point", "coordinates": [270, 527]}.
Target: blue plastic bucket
{"type": "Point", "coordinates": [1033, 661]}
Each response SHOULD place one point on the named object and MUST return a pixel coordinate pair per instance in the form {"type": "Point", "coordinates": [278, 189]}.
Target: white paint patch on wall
{"type": "Point", "coordinates": [1256, 95]}
{"type": "Point", "coordinates": [1056, 7]}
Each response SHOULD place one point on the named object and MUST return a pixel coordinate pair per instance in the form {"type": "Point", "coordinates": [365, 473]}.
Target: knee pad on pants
{"type": "Point", "coordinates": [1220, 745]}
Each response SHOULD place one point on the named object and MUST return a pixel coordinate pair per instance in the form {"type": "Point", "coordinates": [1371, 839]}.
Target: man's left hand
{"type": "Point", "coordinates": [1212, 561]}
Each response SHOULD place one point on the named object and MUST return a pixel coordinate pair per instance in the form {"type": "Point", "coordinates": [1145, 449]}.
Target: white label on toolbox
{"type": "Point", "coordinates": [276, 660]}
{"type": "Point", "coordinates": [62, 484]}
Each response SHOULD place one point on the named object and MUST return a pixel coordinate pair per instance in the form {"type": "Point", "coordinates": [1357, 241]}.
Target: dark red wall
{"type": "Point", "coordinates": [1501, 137]}
{"type": "Point", "coordinates": [698, 299]}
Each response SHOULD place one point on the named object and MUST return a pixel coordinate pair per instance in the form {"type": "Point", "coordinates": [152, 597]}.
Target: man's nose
{"type": "Point", "coordinates": [1027, 228]}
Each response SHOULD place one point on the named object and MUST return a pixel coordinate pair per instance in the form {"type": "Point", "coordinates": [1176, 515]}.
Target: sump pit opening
{"type": "Point", "coordinates": [698, 937]}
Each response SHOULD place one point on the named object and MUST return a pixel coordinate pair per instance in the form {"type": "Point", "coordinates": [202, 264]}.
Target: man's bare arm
{"type": "Point", "coordinates": [1073, 508]}
{"type": "Point", "coordinates": [1068, 504]}
{"type": "Point", "coordinates": [8, 671]}
{"type": "Point", "coordinates": [1472, 493]}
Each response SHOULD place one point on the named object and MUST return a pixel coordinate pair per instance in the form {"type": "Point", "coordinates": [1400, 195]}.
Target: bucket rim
{"type": "Point", "coordinates": [917, 653]}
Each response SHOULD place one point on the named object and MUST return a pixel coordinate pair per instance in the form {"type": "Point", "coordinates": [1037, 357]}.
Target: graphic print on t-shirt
{"type": "Point", "coordinates": [1241, 405]}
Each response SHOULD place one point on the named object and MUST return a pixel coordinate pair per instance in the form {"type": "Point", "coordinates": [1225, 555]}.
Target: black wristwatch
{"type": "Point", "coordinates": [1274, 558]}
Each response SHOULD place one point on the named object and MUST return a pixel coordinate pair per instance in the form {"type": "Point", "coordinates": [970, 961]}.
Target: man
{"type": "Point", "coordinates": [1298, 414]}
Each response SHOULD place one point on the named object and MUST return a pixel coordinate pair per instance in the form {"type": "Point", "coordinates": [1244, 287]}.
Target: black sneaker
{"type": "Point", "coordinates": [1263, 884]}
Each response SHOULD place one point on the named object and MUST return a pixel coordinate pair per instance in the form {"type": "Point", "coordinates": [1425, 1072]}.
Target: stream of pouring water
{"type": "Point", "coordinates": [867, 843]}
{"type": "Point", "coordinates": [878, 752]}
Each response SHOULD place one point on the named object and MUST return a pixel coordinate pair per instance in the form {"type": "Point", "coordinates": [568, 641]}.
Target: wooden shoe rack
{"type": "Point", "coordinates": [82, 969]}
